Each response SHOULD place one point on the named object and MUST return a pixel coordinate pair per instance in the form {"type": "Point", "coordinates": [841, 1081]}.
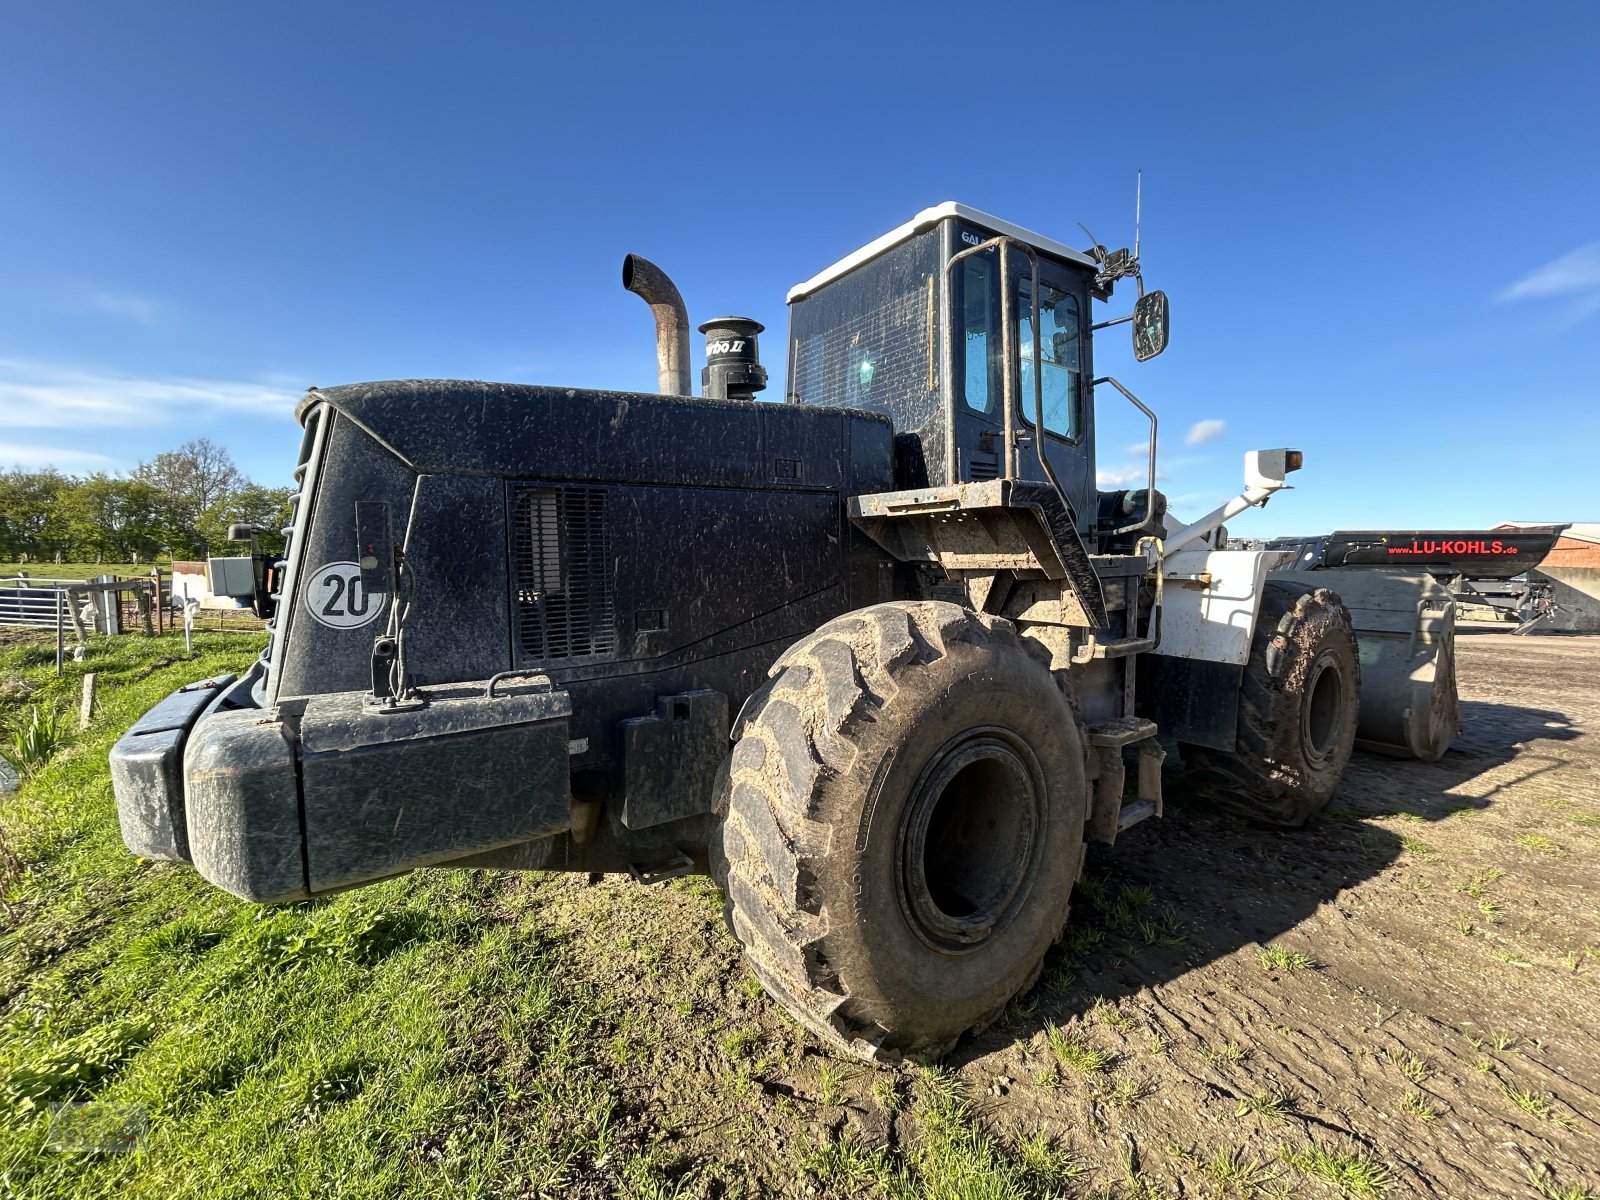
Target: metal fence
{"type": "Point", "coordinates": [99, 605]}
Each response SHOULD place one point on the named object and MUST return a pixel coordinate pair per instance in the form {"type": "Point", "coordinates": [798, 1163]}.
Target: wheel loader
{"type": "Point", "coordinates": [879, 656]}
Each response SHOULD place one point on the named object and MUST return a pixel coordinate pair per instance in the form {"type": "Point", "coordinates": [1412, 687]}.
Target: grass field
{"type": "Point", "coordinates": [329, 1048]}
{"type": "Point", "coordinates": [77, 570]}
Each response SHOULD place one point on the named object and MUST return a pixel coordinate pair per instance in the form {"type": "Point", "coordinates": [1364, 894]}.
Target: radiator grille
{"type": "Point", "coordinates": [565, 607]}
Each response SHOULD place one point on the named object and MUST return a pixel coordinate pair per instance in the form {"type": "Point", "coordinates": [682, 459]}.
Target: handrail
{"type": "Point", "coordinates": [1150, 470]}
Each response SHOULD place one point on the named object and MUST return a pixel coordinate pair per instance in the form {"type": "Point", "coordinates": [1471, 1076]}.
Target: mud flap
{"type": "Point", "coordinates": [1405, 627]}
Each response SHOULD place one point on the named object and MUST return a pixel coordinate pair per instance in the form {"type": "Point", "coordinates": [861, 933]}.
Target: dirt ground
{"type": "Point", "coordinates": [1429, 1008]}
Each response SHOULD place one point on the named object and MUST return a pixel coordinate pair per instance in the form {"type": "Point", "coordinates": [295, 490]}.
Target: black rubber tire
{"type": "Point", "coordinates": [1299, 703]}
{"type": "Point", "coordinates": [903, 821]}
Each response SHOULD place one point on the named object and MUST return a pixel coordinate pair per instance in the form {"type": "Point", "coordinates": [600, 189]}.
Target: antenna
{"type": "Point", "coordinates": [1138, 196]}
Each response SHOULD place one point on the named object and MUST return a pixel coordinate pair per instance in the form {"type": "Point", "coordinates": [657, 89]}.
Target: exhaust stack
{"type": "Point", "coordinates": [643, 278]}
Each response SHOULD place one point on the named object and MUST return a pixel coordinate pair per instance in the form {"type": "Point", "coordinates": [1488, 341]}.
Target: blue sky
{"type": "Point", "coordinates": [1379, 224]}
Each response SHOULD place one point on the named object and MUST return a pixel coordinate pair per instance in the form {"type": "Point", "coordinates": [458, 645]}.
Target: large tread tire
{"type": "Point", "coordinates": [1298, 707]}
{"type": "Point", "coordinates": [903, 756]}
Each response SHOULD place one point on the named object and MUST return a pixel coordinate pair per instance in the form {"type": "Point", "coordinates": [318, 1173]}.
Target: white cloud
{"type": "Point", "coordinates": [1204, 431]}
{"type": "Point", "coordinates": [36, 395]}
{"type": "Point", "coordinates": [1577, 272]}
{"type": "Point", "coordinates": [14, 455]}
{"type": "Point", "coordinates": [126, 306]}
{"type": "Point", "coordinates": [1118, 477]}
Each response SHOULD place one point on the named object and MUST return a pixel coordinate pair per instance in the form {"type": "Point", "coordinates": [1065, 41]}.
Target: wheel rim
{"type": "Point", "coordinates": [970, 840]}
{"type": "Point", "coordinates": [1324, 707]}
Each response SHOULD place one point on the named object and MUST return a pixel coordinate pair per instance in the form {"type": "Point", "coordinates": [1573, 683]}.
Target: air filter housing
{"type": "Point", "coordinates": [733, 369]}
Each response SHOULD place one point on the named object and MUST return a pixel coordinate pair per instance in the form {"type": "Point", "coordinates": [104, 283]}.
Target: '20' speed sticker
{"type": "Point", "coordinates": [337, 599]}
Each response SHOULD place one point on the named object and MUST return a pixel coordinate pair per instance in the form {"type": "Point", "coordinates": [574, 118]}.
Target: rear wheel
{"type": "Point", "coordinates": [1297, 710]}
{"type": "Point", "coordinates": [903, 826]}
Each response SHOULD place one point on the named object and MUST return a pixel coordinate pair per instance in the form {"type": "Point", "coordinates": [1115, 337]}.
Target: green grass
{"type": "Point", "coordinates": [1417, 1105]}
{"type": "Point", "coordinates": [1111, 1016]}
{"type": "Point", "coordinates": [35, 737]}
{"type": "Point", "coordinates": [1357, 1175]}
{"type": "Point", "coordinates": [46, 570]}
{"type": "Point", "coordinates": [1530, 1102]}
{"type": "Point", "coordinates": [1237, 1174]}
{"type": "Point", "coordinates": [955, 1157]}
{"type": "Point", "coordinates": [1409, 1065]}
{"type": "Point", "coordinates": [1074, 1053]}
{"type": "Point", "coordinates": [1229, 1051]}
{"type": "Point", "coordinates": [378, 1043]}
{"type": "Point", "coordinates": [1274, 1106]}
{"type": "Point", "coordinates": [1479, 883]}
{"type": "Point", "coordinates": [1543, 1182]}
{"type": "Point", "coordinates": [1537, 841]}
{"type": "Point", "coordinates": [1281, 958]}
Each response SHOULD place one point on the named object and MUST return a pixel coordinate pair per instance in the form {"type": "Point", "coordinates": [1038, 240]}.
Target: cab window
{"type": "Point", "coordinates": [1059, 366]}
{"type": "Point", "coordinates": [980, 335]}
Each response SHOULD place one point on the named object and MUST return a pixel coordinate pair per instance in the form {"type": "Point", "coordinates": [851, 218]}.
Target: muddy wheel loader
{"type": "Point", "coordinates": [880, 657]}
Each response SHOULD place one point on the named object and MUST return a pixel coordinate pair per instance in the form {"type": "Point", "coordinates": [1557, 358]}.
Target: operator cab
{"type": "Point", "coordinates": [914, 325]}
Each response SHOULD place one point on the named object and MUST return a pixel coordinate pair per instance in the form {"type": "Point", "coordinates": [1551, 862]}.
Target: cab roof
{"type": "Point", "coordinates": [924, 219]}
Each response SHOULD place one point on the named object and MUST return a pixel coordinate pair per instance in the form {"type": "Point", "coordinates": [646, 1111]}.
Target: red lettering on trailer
{"type": "Point", "coordinates": [1453, 546]}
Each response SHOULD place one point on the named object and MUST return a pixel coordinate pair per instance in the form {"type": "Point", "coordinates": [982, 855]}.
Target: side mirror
{"type": "Point", "coordinates": [1149, 325]}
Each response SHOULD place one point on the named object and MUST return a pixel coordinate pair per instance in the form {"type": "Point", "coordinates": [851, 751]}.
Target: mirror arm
{"type": "Point", "coordinates": [1108, 324]}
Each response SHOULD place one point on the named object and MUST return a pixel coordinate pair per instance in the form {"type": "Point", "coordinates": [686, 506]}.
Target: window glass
{"type": "Point", "coordinates": [866, 340]}
{"type": "Point", "coordinates": [1058, 356]}
{"type": "Point", "coordinates": [980, 329]}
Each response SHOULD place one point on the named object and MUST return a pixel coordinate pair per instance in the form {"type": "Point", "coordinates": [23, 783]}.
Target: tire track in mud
{"type": "Point", "coordinates": [1416, 983]}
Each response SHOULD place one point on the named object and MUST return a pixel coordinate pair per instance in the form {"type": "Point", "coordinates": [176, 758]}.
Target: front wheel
{"type": "Point", "coordinates": [904, 818]}
{"type": "Point", "coordinates": [1298, 705]}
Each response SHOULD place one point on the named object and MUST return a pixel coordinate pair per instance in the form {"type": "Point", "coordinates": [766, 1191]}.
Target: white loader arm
{"type": "Point", "coordinates": [1264, 474]}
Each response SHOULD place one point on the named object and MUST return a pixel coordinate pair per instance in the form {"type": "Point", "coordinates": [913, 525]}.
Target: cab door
{"type": "Point", "coordinates": [1057, 382]}
{"type": "Point", "coordinates": [1062, 370]}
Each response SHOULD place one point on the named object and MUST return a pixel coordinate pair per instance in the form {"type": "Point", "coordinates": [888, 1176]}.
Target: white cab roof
{"type": "Point", "coordinates": [932, 216]}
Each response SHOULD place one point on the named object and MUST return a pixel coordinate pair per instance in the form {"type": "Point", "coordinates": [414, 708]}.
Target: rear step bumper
{"type": "Point", "coordinates": [325, 793]}
{"type": "Point", "coordinates": [1110, 813]}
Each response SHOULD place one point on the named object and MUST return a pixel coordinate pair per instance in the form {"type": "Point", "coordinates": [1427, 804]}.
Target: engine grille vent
{"type": "Point", "coordinates": [984, 466]}
{"type": "Point", "coordinates": [561, 548]}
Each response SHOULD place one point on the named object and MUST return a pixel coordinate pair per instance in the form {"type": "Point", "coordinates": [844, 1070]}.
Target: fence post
{"type": "Point", "coordinates": [86, 705]}
{"type": "Point", "coordinates": [61, 630]}
{"type": "Point", "coordinates": [141, 598]}
{"type": "Point", "coordinates": [77, 616]}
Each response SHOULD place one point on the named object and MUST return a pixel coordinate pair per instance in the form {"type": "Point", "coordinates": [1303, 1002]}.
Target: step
{"type": "Point", "coordinates": [1121, 731]}
{"type": "Point", "coordinates": [1132, 814]}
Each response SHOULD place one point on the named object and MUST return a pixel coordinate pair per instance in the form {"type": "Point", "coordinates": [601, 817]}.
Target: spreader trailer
{"type": "Point", "coordinates": [881, 657]}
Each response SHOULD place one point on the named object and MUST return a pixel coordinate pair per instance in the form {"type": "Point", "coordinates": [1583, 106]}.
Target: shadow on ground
{"type": "Point", "coordinates": [1202, 885]}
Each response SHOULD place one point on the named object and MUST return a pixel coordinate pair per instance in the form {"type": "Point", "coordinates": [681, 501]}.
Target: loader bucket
{"type": "Point", "coordinates": [1406, 627]}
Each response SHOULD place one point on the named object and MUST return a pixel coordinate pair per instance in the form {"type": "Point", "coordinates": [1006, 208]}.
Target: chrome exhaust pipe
{"type": "Point", "coordinates": [643, 278]}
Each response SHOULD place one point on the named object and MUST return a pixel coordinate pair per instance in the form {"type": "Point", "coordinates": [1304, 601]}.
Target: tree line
{"type": "Point", "coordinates": [178, 505]}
